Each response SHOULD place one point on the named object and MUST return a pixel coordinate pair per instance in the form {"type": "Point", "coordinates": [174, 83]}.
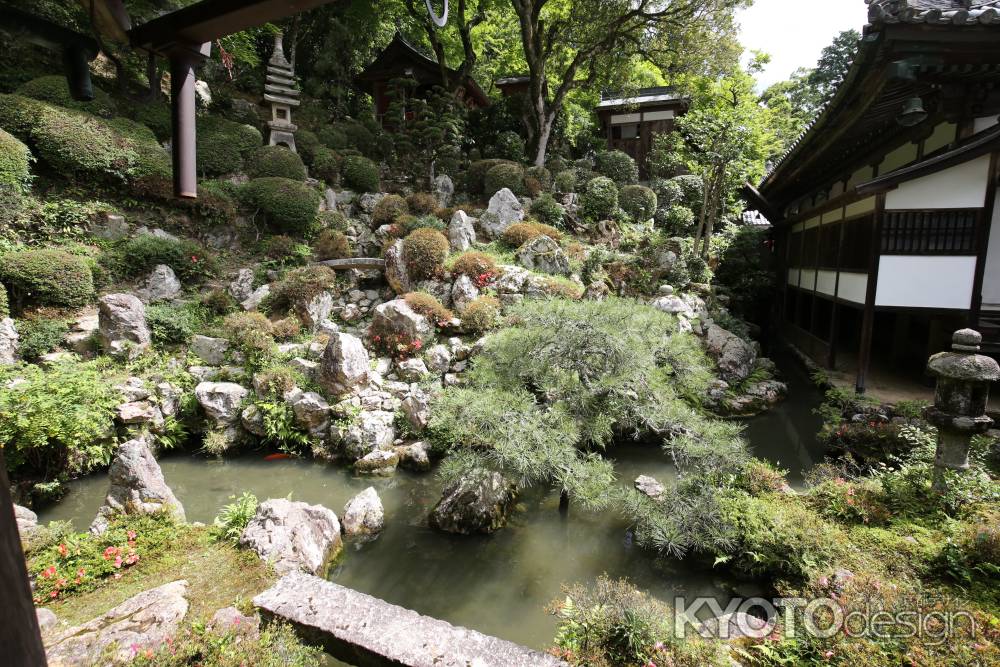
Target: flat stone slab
{"type": "Point", "coordinates": [363, 263]}
{"type": "Point", "coordinates": [364, 630]}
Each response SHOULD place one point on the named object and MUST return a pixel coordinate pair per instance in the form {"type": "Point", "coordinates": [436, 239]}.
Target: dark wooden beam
{"type": "Point", "coordinates": [109, 18]}
{"type": "Point", "coordinates": [209, 20]}
{"type": "Point", "coordinates": [983, 241]}
{"type": "Point", "coordinates": [868, 319]}
{"type": "Point", "coordinates": [20, 638]}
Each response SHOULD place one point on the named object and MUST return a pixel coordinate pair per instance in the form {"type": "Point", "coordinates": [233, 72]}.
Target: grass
{"type": "Point", "coordinates": [219, 575]}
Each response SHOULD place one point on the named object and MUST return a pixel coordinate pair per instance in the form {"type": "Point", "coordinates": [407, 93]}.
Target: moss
{"type": "Point", "coordinates": [422, 203]}
{"type": "Point", "coordinates": [618, 166]}
{"type": "Point", "coordinates": [481, 314]}
{"type": "Point", "coordinates": [275, 161]}
{"type": "Point", "coordinates": [287, 205]}
{"type": "Point", "coordinates": [600, 201]}
{"type": "Point", "coordinates": [638, 201]}
{"type": "Point", "coordinates": [521, 232]}
{"type": "Point", "coordinates": [46, 277]}
{"type": "Point", "coordinates": [155, 116]}
{"type": "Point", "coordinates": [332, 244]}
{"type": "Point", "coordinates": [224, 145]}
{"type": "Point", "coordinates": [54, 90]}
{"type": "Point", "coordinates": [299, 286]}
{"type": "Point", "coordinates": [361, 174]}
{"type": "Point", "coordinates": [425, 251]}
{"type": "Point", "coordinates": [429, 306]}
{"type": "Point", "coordinates": [388, 210]}
{"type": "Point", "coordinates": [327, 164]}
{"type": "Point", "coordinates": [509, 176]}
{"type": "Point", "coordinates": [548, 210]}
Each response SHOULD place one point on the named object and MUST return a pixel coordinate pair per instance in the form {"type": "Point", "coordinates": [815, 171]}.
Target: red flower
{"type": "Point", "coordinates": [63, 550]}
{"type": "Point", "coordinates": [194, 259]}
{"type": "Point", "coordinates": [132, 534]}
{"type": "Point", "coordinates": [49, 572]}
{"type": "Point", "coordinates": [110, 553]}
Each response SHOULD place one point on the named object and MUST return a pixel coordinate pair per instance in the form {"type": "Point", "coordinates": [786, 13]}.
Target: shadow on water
{"type": "Point", "coordinates": [498, 584]}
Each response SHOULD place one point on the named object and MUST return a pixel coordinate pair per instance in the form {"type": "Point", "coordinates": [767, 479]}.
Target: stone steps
{"type": "Point", "coordinates": [363, 630]}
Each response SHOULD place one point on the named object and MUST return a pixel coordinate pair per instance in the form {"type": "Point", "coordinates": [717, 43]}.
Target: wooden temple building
{"type": "Point", "coordinates": [885, 211]}
{"type": "Point", "coordinates": [401, 59]}
{"type": "Point", "coordinates": [631, 123]}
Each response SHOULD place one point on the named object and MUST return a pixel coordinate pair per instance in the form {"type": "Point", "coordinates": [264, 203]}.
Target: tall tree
{"type": "Point", "coordinates": [465, 17]}
{"type": "Point", "coordinates": [833, 64]}
{"type": "Point", "coordinates": [570, 44]}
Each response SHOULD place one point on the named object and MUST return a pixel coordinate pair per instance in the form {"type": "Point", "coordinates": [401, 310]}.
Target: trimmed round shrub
{"type": "Point", "coordinates": [327, 164]}
{"type": "Point", "coordinates": [389, 209]}
{"type": "Point", "coordinates": [425, 251]}
{"type": "Point", "coordinates": [333, 220]}
{"type": "Point", "coordinates": [409, 223]}
{"type": "Point", "coordinates": [307, 143]}
{"type": "Point", "coordinates": [46, 277]}
{"type": "Point", "coordinates": [510, 146]}
{"type": "Point", "coordinates": [429, 306]}
{"type": "Point", "coordinates": [300, 286]}
{"type": "Point", "coordinates": [359, 137]}
{"type": "Point", "coordinates": [600, 200]}
{"type": "Point", "coordinates": [289, 206]}
{"type": "Point", "coordinates": [250, 332]}
{"type": "Point", "coordinates": [481, 314]}
{"type": "Point", "coordinates": [333, 137]}
{"type": "Point", "coordinates": [223, 145]}
{"type": "Point", "coordinates": [4, 303]}
{"type": "Point", "coordinates": [422, 203]}
{"type": "Point", "coordinates": [151, 160]}
{"type": "Point", "coordinates": [618, 166]}
{"type": "Point", "coordinates": [540, 174]}
{"type": "Point", "coordinates": [668, 191]}
{"type": "Point", "coordinates": [474, 264]}
{"type": "Point", "coordinates": [275, 161]}
{"type": "Point", "coordinates": [548, 210]}
{"type": "Point", "coordinates": [360, 174]}
{"type": "Point", "coordinates": [54, 90]}
{"type": "Point", "coordinates": [565, 181]}
{"type": "Point", "coordinates": [521, 232]}
{"type": "Point", "coordinates": [638, 201]}
{"type": "Point", "coordinates": [692, 189]}
{"type": "Point", "coordinates": [15, 176]}
{"type": "Point", "coordinates": [677, 220]}
{"type": "Point", "coordinates": [332, 244]}
{"type": "Point", "coordinates": [139, 255]}
{"type": "Point", "coordinates": [155, 116]}
{"type": "Point", "coordinates": [476, 175]}
{"type": "Point", "coordinates": [510, 176]}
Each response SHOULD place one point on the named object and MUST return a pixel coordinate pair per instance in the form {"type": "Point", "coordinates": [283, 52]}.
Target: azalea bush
{"type": "Point", "coordinates": [137, 256]}
{"type": "Point", "coordinates": [82, 561]}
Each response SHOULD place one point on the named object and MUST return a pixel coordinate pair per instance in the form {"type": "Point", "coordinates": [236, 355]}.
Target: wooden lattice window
{"type": "Point", "coordinates": [933, 232]}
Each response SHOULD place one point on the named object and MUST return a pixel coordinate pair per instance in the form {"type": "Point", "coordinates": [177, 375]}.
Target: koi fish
{"type": "Point", "coordinates": [277, 457]}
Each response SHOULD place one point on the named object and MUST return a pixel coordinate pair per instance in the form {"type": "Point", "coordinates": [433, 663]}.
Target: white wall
{"type": "Point", "coordinates": [984, 123]}
{"type": "Point", "coordinates": [853, 287]}
{"type": "Point", "coordinates": [793, 277]}
{"type": "Point", "coordinates": [961, 186]}
{"type": "Point", "coordinates": [991, 278]}
{"type": "Point", "coordinates": [925, 281]}
{"type": "Point", "coordinates": [826, 282]}
{"type": "Point", "coordinates": [808, 280]}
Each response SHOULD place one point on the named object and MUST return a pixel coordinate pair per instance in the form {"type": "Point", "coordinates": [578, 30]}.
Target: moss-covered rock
{"type": "Point", "coordinates": [46, 277]}
{"type": "Point", "coordinates": [288, 206]}
{"type": "Point", "coordinates": [275, 161]}
{"type": "Point", "coordinates": [360, 174]}
{"type": "Point", "coordinates": [55, 90]}
{"type": "Point", "coordinates": [224, 145]}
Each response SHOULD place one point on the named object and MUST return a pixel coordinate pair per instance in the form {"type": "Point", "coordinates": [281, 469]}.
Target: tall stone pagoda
{"type": "Point", "coordinates": [282, 93]}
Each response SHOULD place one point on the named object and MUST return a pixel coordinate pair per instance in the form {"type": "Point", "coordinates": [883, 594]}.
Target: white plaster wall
{"type": "Point", "coordinates": [658, 115]}
{"type": "Point", "coordinates": [808, 280]}
{"type": "Point", "coordinates": [925, 282]}
{"type": "Point", "coordinates": [859, 207]}
{"type": "Point", "coordinates": [793, 277]}
{"type": "Point", "coordinates": [826, 282]}
{"type": "Point", "coordinates": [961, 186]}
{"type": "Point", "coordinates": [853, 287]}
{"type": "Point", "coordinates": [620, 119]}
{"type": "Point", "coordinates": [991, 278]}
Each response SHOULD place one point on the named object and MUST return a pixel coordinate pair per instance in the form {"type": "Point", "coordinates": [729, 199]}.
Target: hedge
{"type": "Point", "coordinates": [275, 161]}
{"type": "Point", "coordinates": [46, 277]}
{"type": "Point", "coordinates": [54, 90]}
{"type": "Point", "coordinates": [618, 166]}
{"type": "Point", "coordinates": [224, 145]}
{"type": "Point", "coordinates": [289, 206]}
{"type": "Point", "coordinates": [361, 174]}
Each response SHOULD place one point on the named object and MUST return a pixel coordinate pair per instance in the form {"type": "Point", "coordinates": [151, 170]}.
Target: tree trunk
{"type": "Point", "coordinates": [544, 134]}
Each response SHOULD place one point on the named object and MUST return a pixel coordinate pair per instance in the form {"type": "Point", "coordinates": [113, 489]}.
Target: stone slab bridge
{"type": "Point", "coordinates": [366, 631]}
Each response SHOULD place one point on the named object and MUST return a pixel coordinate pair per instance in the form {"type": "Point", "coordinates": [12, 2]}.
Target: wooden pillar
{"type": "Point", "coordinates": [868, 318]}
{"type": "Point", "coordinates": [183, 60]}
{"type": "Point", "coordinates": [831, 355]}
{"type": "Point", "coordinates": [20, 638]}
{"type": "Point", "coordinates": [983, 228]}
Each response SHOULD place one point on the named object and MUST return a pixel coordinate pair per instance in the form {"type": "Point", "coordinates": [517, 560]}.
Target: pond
{"type": "Point", "coordinates": [498, 584]}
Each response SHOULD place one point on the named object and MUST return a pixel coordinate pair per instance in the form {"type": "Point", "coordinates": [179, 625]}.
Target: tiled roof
{"type": "Point", "coordinates": [935, 12]}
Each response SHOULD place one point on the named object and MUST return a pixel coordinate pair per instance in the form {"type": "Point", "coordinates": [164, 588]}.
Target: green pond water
{"type": "Point", "coordinates": [498, 584]}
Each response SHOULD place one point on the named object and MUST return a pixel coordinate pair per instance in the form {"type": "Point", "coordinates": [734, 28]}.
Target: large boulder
{"type": "Point", "coordinates": [221, 400]}
{"type": "Point", "coordinates": [242, 285]}
{"type": "Point", "coordinates": [444, 190]}
{"type": "Point", "coordinates": [417, 410]}
{"type": "Point", "coordinates": [504, 210]}
{"type": "Point", "coordinates": [396, 318]}
{"type": "Point", "coordinates": [145, 621]}
{"type": "Point", "coordinates": [477, 503]}
{"type": "Point", "coordinates": [370, 431]}
{"type": "Point", "coordinates": [210, 350]}
{"type": "Point", "coordinates": [161, 284]}
{"type": "Point", "coordinates": [137, 486]}
{"type": "Point", "coordinates": [461, 231]}
{"type": "Point", "coordinates": [312, 412]}
{"type": "Point", "coordinates": [415, 456]}
{"type": "Point", "coordinates": [8, 342]}
{"type": "Point", "coordinates": [463, 292]}
{"type": "Point", "coordinates": [379, 462]}
{"type": "Point", "coordinates": [396, 273]}
{"type": "Point", "coordinates": [543, 254]}
{"type": "Point", "coordinates": [27, 521]}
{"type": "Point", "coordinates": [345, 364]}
{"type": "Point", "coordinates": [364, 515]}
{"type": "Point", "coordinates": [294, 536]}
{"type": "Point", "coordinates": [734, 357]}
{"type": "Point", "coordinates": [122, 324]}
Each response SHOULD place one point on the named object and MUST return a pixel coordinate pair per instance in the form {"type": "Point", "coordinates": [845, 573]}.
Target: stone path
{"type": "Point", "coordinates": [363, 630]}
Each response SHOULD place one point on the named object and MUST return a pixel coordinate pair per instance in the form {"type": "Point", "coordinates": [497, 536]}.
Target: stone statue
{"type": "Point", "coordinates": [282, 93]}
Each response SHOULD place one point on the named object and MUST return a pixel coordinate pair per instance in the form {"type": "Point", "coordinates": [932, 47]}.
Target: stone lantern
{"type": "Point", "coordinates": [960, 399]}
{"type": "Point", "coordinates": [282, 93]}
